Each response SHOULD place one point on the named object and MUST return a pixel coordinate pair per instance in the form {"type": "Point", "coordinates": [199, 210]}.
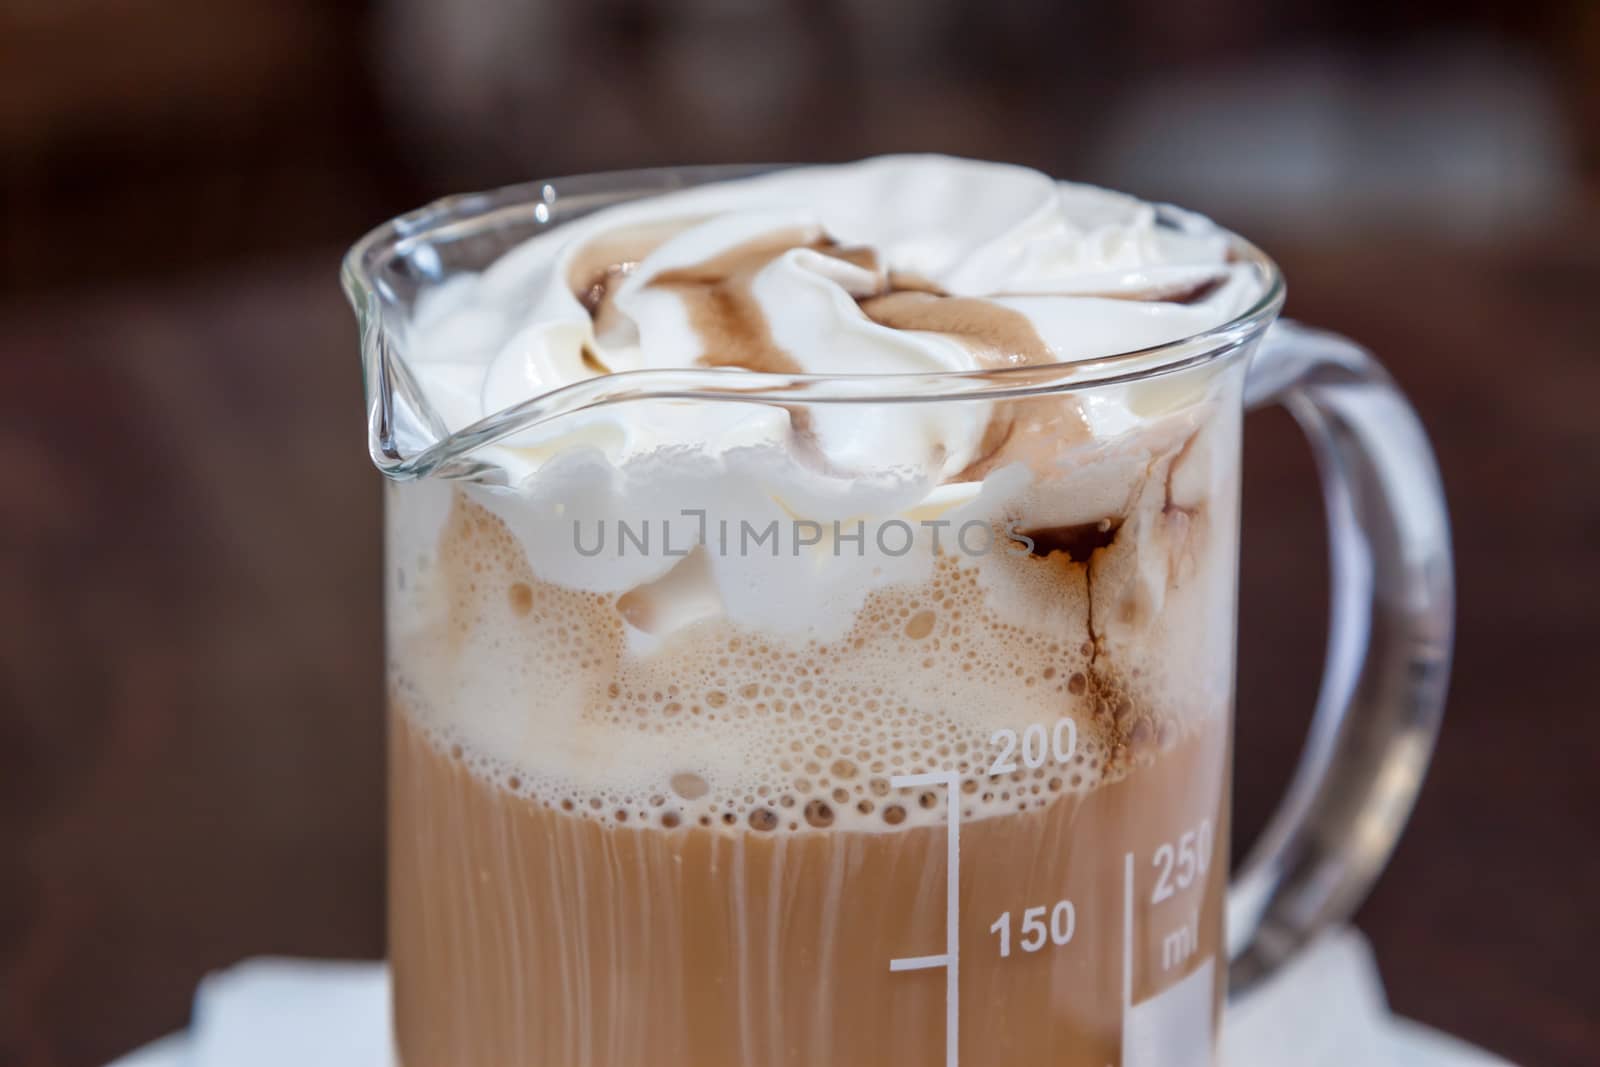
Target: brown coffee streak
{"type": "Point", "coordinates": [1079, 541]}
{"type": "Point", "coordinates": [1169, 503]}
{"type": "Point", "coordinates": [1032, 431]}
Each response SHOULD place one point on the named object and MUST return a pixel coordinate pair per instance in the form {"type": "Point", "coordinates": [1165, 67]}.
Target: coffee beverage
{"type": "Point", "coordinates": [727, 731]}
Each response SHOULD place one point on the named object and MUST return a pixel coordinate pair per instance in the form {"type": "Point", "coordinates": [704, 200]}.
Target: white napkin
{"type": "Point", "coordinates": [1325, 1009]}
{"type": "Point", "coordinates": [306, 1013]}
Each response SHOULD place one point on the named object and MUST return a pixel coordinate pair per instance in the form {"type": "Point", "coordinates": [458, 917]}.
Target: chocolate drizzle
{"type": "Point", "coordinates": [861, 256]}
{"type": "Point", "coordinates": [734, 330]}
{"type": "Point", "coordinates": [606, 260]}
{"type": "Point", "coordinates": [997, 335]}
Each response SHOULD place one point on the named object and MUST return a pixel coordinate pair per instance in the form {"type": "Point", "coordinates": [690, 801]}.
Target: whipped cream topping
{"type": "Point", "coordinates": [901, 264]}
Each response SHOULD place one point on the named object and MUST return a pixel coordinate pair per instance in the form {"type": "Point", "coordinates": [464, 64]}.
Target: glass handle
{"type": "Point", "coordinates": [1389, 639]}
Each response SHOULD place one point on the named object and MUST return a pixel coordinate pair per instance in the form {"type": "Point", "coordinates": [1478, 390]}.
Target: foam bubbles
{"type": "Point", "coordinates": [534, 687]}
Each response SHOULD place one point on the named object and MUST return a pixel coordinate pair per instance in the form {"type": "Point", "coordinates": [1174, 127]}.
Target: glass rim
{"type": "Point", "coordinates": [543, 200]}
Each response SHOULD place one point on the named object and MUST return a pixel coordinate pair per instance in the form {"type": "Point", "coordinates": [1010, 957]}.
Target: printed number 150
{"type": "Point", "coordinates": [1036, 933]}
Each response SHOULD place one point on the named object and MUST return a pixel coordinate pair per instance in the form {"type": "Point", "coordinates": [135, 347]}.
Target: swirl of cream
{"type": "Point", "coordinates": [891, 265]}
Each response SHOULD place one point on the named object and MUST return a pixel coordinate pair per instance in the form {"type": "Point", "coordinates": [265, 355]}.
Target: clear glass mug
{"type": "Point", "coordinates": [983, 820]}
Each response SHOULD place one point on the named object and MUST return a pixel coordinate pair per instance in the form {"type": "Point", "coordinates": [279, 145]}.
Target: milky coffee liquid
{"type": "Point", "coordinates": [521, 934]}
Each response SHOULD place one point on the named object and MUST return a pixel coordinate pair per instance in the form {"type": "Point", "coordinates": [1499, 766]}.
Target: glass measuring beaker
{"type": "Point", "coordinates": [728, 757]}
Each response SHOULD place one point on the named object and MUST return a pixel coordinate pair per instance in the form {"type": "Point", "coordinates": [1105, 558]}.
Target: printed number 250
{"type": "Point", "coordinates": [1180, 865]}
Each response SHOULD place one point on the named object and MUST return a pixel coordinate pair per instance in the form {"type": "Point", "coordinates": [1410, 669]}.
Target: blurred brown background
{"type": "Point", "coordinates": [190, 678]}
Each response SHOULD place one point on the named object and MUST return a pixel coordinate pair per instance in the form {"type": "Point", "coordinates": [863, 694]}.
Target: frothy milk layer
{"type": "Point", "coordinates": [1118, 624]}
{"type": "Point", "coordinates": [676, 675]}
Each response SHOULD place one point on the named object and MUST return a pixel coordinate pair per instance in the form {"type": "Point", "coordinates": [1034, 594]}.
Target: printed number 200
{"type": "Point", "coordinates": [1039, 744]}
